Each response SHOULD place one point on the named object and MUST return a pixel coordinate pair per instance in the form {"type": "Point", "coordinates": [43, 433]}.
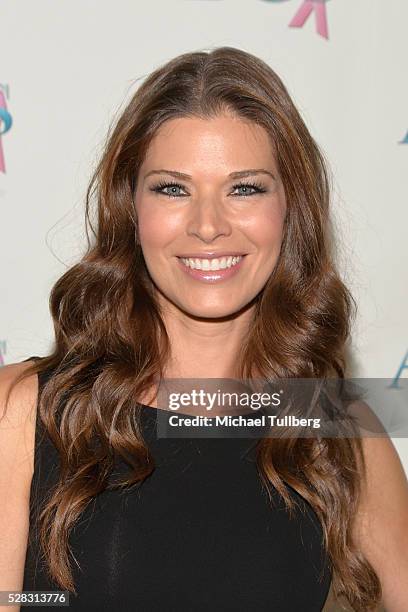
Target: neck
{"type": "Point", "coordinates": [202, 348]}
{"type": "Point", "coordinates": [205, 348]}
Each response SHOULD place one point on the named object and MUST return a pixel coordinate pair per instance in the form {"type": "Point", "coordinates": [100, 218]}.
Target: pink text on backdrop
{"type": "Point", "coordinates": [3, 351]}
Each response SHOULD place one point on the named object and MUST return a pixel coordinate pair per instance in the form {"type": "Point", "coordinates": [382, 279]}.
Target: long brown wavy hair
{"type": "Point", "coordinates": [111, 343]}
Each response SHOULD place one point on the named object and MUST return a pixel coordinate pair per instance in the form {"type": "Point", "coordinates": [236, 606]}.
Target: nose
{"type": "Point", "coordinates": [208, 220]}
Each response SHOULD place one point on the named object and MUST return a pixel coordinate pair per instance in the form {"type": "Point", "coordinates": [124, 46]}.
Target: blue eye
{"type": "Point", "coordinates": [173, 193]}
{"type": "Point", "coordinates": [173, 189]}
{"type": "Point", "coordinates": [247, 186]}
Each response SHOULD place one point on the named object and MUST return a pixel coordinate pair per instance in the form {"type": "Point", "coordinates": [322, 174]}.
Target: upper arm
{"type": "Point", "coordinates": [17, 435]}
{"type": "Point", "coordinates": [381, 525]}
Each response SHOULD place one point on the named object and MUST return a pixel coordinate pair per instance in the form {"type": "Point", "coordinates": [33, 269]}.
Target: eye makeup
{"type": "Point", "coordinates": [255, 185]}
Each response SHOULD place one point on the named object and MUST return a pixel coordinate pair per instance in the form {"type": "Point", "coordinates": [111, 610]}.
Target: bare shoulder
{"type": "Point", "coordinates": [25, 390]}
{"type": "Point", "coordinates": [17, 436]}
{"type": "Point", "coordinates": [381, 523]}
{"type": "Point", "coordinates": [18, 407]}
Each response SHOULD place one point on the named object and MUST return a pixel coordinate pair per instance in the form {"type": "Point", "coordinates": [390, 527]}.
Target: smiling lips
{"type": "Point", "coordinates": [212, 269]}
{"type": "Point", "coordinates": [216, 263]}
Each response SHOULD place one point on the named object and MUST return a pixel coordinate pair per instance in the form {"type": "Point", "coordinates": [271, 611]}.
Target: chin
{"type": "Point", "coordinates": [214, 311]}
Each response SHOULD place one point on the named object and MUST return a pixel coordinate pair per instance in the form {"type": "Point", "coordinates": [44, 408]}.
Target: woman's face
{"type": "Point", "coordinates": [211, 207]}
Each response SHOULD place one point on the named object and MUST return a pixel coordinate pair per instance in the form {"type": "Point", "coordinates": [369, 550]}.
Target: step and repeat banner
{"type": "Point", "coordinates": [67, 69]}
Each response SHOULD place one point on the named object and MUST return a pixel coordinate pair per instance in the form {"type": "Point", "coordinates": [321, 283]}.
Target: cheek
{"type": "Point", "coordinates": [266, 230]}
{"type": "Point", "coordinates": [156, 228]}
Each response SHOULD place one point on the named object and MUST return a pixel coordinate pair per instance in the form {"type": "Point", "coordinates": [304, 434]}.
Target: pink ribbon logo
{"type": "Point", "coordinates": [5, 124]}
{"type": "Point", "coordinates": [304, 12]}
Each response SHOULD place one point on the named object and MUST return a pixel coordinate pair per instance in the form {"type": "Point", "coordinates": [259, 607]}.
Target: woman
{"type": "Point", "coordinates": [210, 259]}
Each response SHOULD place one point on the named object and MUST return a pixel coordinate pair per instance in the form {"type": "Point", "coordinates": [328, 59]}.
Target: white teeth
{"type": "Point", "coordinates": [211, 264]}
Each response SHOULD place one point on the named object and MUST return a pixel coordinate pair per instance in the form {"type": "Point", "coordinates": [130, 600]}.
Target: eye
{"type": "Point", "coordinates": [174, 187]}
{"type": "Point", "coordinates": [247, 187]}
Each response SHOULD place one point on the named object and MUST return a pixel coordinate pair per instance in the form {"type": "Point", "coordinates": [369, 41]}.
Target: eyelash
{"type": "Point", "coordinates": [162, 185]}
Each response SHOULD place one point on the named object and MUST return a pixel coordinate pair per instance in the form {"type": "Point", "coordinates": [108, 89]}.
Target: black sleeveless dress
{"type": "Point", "coordinates": [199, 534]}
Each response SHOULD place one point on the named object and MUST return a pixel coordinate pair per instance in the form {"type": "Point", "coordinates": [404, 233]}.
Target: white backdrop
{"type": "Point", "coordinates": [68, 67]}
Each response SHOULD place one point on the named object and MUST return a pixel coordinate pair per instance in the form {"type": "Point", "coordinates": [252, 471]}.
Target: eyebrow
{"type": "Point", "coordinates": [233, 175]}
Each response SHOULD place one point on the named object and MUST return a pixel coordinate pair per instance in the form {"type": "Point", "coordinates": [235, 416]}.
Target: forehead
{"type": "Point", "coordinates": [222, 141]}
